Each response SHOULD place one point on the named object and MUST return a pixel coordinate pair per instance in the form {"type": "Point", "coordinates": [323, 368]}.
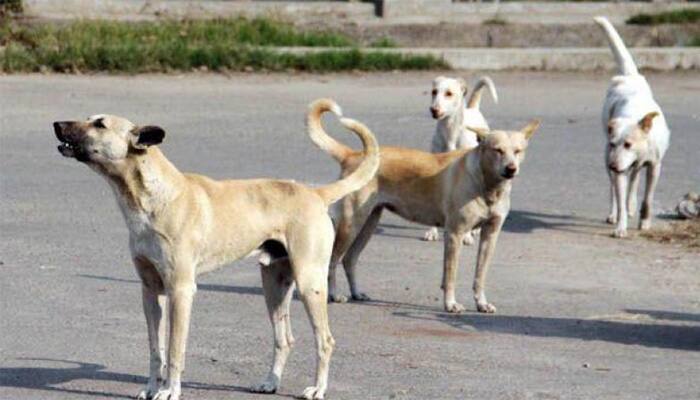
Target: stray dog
{"type": "Point", "coordinates": [458, 190]}
{"type": "Point", "coordinates": [182, 225]}
{"type": "Point", "coordinates": [637, 137]}
{"type": "Point", "coordinates": [454, 119]}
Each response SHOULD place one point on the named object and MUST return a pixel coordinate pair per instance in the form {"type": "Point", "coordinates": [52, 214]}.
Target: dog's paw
{"type": "Point", "coordinates": [360, 297]}
{"type": "Point", "coordinates": [337, 298]}
{"type": "Point", "coordinates": [487, 308]}
{"type": "Point", "coordinates": [619, 233]}
{"type": "Point", "coordinates": [431, 235]}
{"type": "Point", "coordinates": [269, 386]}
{"type": "Point", "coordinates": [454, 308]}
{"type": "Point", "coordinates": [166, 394]}
{"type": "Point", "coordinates": [145, 394]}
{"type": "Point", "coordinates": [468, 239]}
{"type": "Point", "coordinates": [313, 393]}
{"type": "Point", "coordinates": [612, 219]}
{"type": "Point", "coordinates": [645, 224]}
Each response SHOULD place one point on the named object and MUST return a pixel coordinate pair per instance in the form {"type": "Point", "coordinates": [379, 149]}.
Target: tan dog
{"type": "Point", "coordinates": [458, 190]}
{"type": "Point", "coordinates": [182, 225]}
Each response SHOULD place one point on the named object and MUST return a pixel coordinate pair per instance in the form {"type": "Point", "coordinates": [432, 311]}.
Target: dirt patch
{"type": "Point", "coordinates": [686, 233]}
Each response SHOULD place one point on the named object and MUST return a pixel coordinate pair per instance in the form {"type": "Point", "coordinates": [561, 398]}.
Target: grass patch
{"type": "Point", "coordinates": [681, 16]}
{"type": "Point", "coordinates": [384, 43]}
{"type": "Point", "coordinates": [686, 233]}
{"type": "Point", "coordinates": [495, 21]}
{"type": "Point", "coordinates": [695, 41]}
{"type": "Point", "coordinates": [227, 44]}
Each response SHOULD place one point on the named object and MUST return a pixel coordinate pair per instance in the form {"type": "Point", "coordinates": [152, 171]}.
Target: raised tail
{"type": "Point", "coordinates": [475, 99]}
{"type": "Point", "coordinates": [367, 168]}
{"type": "Point", "coordinates": [625, 62]}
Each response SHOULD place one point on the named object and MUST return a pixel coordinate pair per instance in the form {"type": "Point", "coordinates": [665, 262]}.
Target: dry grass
{"type": "Point", "coordinates": [686, 233]}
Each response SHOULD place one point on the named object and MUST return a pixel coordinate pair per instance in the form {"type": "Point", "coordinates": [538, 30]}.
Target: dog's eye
{"type": "Point", "coordinates": [434, 92]}
{"type": "Point", "coordinates": [500, 151]}
{"type": "Point", "coordinates": [448, 94]}
{"type": "Point", "coordinates": [99, 123]}
{"type": "Point", "coordinates": [613, 145]}
{"type": "Point", "coordinates": [517, 152]}
{"type": "Point", "coordinates": [628, 145]}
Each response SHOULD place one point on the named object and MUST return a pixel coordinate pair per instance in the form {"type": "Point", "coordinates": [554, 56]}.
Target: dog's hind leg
{"type": "Point", "coordinates": [653, 173]}
{"type": "Point", "coordinates": [350, 258]}
{"type": "Point", "coordinates": [632, 193]}
{"type": "Point", "coordinates": [278, 285]}
{"type": "Point", "coordinates": [309, 259]}
{"type": "Point", "coordinates": [154, 308]}
{"type": "Point", "coordinates": [352, 218]}
{"type": "Point", "coordinates": [487, 246]}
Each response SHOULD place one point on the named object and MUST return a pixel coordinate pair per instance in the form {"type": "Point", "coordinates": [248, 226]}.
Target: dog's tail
{"type": "Point", "coordinates": [625, 62]}
{"type": "Point", "coordinates": [475, 99]}
{"type": "Point", "coordinates": [367, 168]}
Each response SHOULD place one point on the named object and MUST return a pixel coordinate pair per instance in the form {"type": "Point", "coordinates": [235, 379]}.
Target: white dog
{"type": "Point", "coordinates": [637, 137]}
{"type": "Point", "coordinates": [454, 117]}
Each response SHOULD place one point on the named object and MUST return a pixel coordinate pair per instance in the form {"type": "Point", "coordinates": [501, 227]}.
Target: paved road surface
{"type": "Point", "coordinates": [581, 315]}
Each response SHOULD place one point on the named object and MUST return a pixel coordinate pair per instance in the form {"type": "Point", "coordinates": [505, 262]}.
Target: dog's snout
{"type": "Point", "coordinates": [58, 128]}
{"type": "Point", "coordinates": [613, 167]}
{"type": "Point", "coordinates": [435, 112]}
{"type": "Point", "coordinates": [511, 169]}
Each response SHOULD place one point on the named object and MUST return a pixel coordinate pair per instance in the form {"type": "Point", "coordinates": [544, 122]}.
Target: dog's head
{"type": "Point", "coordinates": [104, 139]}
{"type": "Point", "coordinates": [447, 96]}
{"type": "Point", "coordinates": [628, 141]}
{"type": "Point", "coordinates": [502, 152]}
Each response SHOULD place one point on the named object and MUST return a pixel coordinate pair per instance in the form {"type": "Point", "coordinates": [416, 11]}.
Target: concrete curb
{"type": "Point", "coordinates": [543, 59]}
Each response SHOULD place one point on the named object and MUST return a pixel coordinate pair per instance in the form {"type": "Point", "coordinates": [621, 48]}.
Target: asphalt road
{"type": "Point", "coordinates": [581, 315]}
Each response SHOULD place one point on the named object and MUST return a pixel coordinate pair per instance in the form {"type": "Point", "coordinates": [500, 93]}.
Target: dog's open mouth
{"type": "Point", "coordinates": [67, 149]}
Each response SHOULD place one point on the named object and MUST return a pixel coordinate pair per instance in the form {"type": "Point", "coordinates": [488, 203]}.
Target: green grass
{"type": "Point", "coordinates": [383, 42]}
{"type": "Point", "coordinates": [218, 45]}
{"type": "Point", "coordinates": [495, 21]}
{"type": "Point", "coordinates": [682, 16]}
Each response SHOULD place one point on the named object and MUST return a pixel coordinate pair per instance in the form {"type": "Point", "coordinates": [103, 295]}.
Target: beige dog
{"type": "Point", "coordinates": [182, 225]}
{"type": "Point", "coordinates": [459, 191]}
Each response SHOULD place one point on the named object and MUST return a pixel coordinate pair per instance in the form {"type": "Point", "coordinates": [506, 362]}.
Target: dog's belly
{"type": "Point", "coordinates": [420, 215]}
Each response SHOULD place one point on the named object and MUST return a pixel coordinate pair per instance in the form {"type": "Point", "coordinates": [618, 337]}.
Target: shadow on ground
{"type": "Point", "coordinates": [647, 334]}
{"type": "Point", "coordinates": [517, 222]}
{"type": "Point", "coordinates": [50, 378]}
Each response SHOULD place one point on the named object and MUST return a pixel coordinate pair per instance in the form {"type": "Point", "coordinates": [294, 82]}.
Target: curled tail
{"type": "Point", "coordinates": [625, 62]}
{"type": "Point", "coordinates": [367, 168]}
{"type": "Point", "coordinates": [475, 99]}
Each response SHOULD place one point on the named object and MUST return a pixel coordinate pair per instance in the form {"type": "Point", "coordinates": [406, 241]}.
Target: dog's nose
{"type": "Point", "coordinates": [613, 167]}
{"type": "Point", "coordinates": [435, 112]}
{"type": "Point", "coordinates": [58, 129]}
{"type": "Point", "coordinates": [511, 169]}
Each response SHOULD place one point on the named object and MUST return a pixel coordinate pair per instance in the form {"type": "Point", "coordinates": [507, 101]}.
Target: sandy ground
{"type": "Point", "coordinates": [581, 315]}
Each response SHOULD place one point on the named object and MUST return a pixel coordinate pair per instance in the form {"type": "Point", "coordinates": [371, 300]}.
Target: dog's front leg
{"type": "Point", "coordinates": [621, 181]}
{"type": "Point", "coordinates": [154, 307]}
{"type": "Point", "coordinates": [632, 192]}
{"type": "Point", "coordinates": [180, 296]}
{"type": "Point", "coordinates": [612, 217]}
{"type": "Point", "coordinates": [487, 245]}
{"type": "Point", "coordinates": [653, 173]}
{"type": "Point", "coordinates": [453, 246]}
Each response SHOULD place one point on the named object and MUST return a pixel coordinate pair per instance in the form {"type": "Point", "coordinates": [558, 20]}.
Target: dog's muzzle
{"type": "Point", "coordinates": [509, 172]}
{"type": "Point", "coordinates": [435, 113]}
{"type": "Point", "coordinates": [66, 133]}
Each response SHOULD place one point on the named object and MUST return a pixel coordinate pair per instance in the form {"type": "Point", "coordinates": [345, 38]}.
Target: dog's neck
{"type": "Point", "coordinates": [145, 182]}
{"type": "Point", "coordinates": [493, 187]}
{"type": "Point", "coordinates": [451, 125]}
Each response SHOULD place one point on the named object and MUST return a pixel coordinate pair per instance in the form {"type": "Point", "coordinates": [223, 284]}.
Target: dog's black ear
{"type": "Point", "coordinates": [148, 135]}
